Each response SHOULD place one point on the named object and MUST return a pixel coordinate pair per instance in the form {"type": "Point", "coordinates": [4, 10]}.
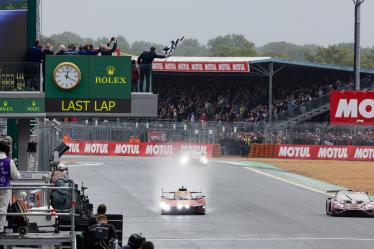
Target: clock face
{"type": "Point", "coordinates": [67, 75]}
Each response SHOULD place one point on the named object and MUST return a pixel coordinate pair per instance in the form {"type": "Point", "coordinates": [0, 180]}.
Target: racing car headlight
{"type": "Point", "coordinates": [184, 159]}
{"type": "Point", "coordinates": [204, 160]}
{"type": "Point", "coordinates": [165, 206]}
{"type": "Point", "coordinates": [339, 205]}
{"type": "Point", "coordinates": [187, 206]}
{"type": "Point", "coordinates": [179, 207]}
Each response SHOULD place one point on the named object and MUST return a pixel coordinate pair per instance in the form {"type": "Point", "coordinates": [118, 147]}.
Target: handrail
{"type": "Point", "coordinates": [72, 214]}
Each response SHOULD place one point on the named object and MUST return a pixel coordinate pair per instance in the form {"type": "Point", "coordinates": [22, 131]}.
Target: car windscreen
{"type": "Point", "coordinates": [183, 196]}
{"type": "Point", "coordinates": [349, 196]}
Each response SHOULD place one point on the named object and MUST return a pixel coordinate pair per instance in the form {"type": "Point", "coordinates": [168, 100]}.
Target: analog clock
{"type": "Point", "coordinates": [67, 75]}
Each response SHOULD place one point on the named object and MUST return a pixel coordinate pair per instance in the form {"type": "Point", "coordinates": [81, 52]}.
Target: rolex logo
{"type": "Point", "coordinates": [110, 70]}
{"type": "Point", "coordinates": [33, 103]}
{"type": "Point", "coordinates": [5, 103]}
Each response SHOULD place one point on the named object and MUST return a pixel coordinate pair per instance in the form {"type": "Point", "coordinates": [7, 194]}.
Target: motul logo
{"type": "Point", "coordinates": [159, 149]}
{"type": "Point", "coordinates": [125, 149]}
{"type": "Point", "coordinates": [302, 152]}
{"type": "Point", "coordinates": [74, 147]}
{"type": "Point", "coordinates": [350, 108]}
{"type": "Point", "coordinates": [364, 153]}
{"type": "Point", "coordinates": [333, 153]}
{"type": "Point", "coordinates": [96, 148]}
{"type": "Point", "coordinates": [195, 149]}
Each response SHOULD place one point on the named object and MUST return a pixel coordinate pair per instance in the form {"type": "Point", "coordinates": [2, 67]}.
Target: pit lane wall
{"type": "Point", "coordinates": [101, 148]}
{"type": "Point", "coordinates": [319, 152]}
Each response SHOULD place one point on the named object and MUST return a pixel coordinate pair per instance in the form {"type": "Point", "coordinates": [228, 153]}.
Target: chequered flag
{"type": "Point", "coordinates": [169, 50]}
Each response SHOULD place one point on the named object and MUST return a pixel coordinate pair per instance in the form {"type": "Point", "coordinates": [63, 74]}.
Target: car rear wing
{"type": "Point", "coordinates": [173, 192]}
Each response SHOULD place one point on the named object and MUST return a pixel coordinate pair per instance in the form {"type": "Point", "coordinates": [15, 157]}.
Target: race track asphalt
{"type": "Point", "coordinates": [244, 209]}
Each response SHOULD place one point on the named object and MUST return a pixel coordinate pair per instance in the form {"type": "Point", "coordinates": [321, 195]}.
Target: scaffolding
{"type": "Point", "coordinates": [44, 239]}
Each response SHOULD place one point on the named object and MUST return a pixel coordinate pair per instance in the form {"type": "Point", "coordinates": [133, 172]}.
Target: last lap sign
{"type": "Point", "coordinates": [88, 84]}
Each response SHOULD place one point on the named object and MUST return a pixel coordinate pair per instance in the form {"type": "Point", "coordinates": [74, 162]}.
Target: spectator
{"type": "Point", "coordinates": [106, 50]}
{"type": "Point", "coordinates": [101, 210]}
{"type": "Point", "coordinates": [134, 76]}
{"type": "Point", "coordinates": [145, 63]}
{"type": "Point", "coordinates": [34, 59]}
{"type": "Point", "coordinates": [8, 172]}
{"type": "Point", "coordinates": [62, 50]}
{"type": "Point", "coordinates": [148, 245]}
{"type": "Point", "coordinates": [72, 50]}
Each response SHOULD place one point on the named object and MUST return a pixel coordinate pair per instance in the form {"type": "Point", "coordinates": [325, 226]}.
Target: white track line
{"type": "Point", "coordinates": [262, 239]}
{"type": "Point", "coordinates": [279, 178]}
{"type": "Point", "coordinates": [285, 180]}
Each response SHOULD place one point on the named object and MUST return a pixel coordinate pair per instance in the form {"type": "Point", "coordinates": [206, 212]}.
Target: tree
{"type": "Point", "coordinates": [139, 46]}
{"type": "Point", "coordinates": [231, 45]}
{"type": "Point", "coordinates": [67, 38]}
{"type": "Point", "coordinates": [191, 47]}
{"type": "Point", "coordinates": [331, 55]}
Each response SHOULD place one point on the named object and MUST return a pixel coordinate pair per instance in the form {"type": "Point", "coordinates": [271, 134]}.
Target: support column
{"type": "Point", "coordinates": [357, 54]}
{"type": "Point", "coordinates": [23, 140]}
{"type": "Point", "coordinates": [271, 73]}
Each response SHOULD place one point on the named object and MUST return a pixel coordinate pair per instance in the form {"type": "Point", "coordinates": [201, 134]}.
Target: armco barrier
{"type": "Point", "coordinates": [101, 148]}
{"type": "Point", "coordinates": [319, 152]}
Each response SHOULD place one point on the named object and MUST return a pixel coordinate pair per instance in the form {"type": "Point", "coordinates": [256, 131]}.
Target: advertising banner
{"type": "Point", "coordinates": [101, 148]}
{"type": "Point", "coordinates": [18, 105]}
{"type": "Point", "coordinates": [352, 107]}
{"type": "Point", "coordinates": [88, 84]}
{"type": "Point", "coordinates": [203, 67]}
{"type": "Point", "coordinates": [359, 153]}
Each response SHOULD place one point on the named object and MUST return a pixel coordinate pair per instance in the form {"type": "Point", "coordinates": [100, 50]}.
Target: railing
{"type": "Point", "coordinates": [320, 102]}
{"type": "Point", "coordinates": [46, 212]}
{"type": "Point", "coordinates": [20, 77]}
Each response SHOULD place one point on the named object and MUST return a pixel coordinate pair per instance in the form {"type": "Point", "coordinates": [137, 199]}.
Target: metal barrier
{"type": "Point", "coordinates": [46, 239]}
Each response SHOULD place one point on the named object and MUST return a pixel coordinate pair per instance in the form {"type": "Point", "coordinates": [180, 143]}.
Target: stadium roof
{"type": "Point", "coordinates": [252, 61]}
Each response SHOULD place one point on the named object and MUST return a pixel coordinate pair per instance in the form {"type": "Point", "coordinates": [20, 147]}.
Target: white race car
{"type": "Point", "coordinates": [192, 158]}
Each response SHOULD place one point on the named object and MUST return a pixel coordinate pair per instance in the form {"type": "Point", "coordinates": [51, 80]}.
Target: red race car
{"type": "Point", "coordinates": [349, 203]}
{"type": "Point", "coordinates": [183, 202]}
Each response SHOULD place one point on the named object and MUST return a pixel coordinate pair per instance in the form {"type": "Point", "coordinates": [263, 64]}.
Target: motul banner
{"type": "Point", "coordinates": [360, 153]}
{"type": "Point", "coordinates": [143, 149]}
{"type": "Point", "coordinates": [352, 107]}
{"type": "Point", "coordinates": [204, 67]}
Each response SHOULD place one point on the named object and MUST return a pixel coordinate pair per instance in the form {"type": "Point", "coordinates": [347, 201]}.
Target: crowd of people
{"type": "Point", "coordinates": [89, 240]}
{"type": "Point", "coordinates": [236, 143]}
{"type": "Point", "coordinates": [219, 99]}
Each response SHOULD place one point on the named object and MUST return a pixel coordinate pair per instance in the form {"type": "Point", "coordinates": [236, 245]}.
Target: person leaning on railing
{"type": "Point", "coordinates": [8, 172]}
{"type": "Point", "coordinates": [145, 65]}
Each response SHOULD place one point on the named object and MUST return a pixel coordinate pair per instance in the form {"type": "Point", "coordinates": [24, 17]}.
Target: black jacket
{"type": "Point", "coordinates": [147, 57]}
{"type": "Point", "coordinates": [109, 51]}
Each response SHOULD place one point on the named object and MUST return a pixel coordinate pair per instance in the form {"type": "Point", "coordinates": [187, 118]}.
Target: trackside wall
{"type": "Point", "coordinates": [322, 152]}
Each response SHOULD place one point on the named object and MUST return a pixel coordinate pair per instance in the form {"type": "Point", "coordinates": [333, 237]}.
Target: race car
{"type": "Point", "coordinates": [193, 158]}
{"type": "Point", "coordinates": [183, 202]}
{"type": "Point", "coordinates": [348, 202]}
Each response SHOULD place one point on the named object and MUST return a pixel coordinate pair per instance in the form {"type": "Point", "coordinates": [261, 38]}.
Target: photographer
{"type": "Point", "coordinates": [106, 50]}
{"type": "Point", "coordinates": [135, 241]}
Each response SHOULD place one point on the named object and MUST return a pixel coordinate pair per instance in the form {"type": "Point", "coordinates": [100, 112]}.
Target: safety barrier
{"type": "Point", "coordinates": [101, 148]}
{"type": "Point", "coordinates": [321, 152]}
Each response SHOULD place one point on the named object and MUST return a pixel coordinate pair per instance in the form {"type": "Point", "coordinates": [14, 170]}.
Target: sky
{"type": "Point", "coordinates": [321, 22]}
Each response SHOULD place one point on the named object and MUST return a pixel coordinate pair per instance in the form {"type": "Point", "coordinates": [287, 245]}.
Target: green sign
{"type": "Point", "coordinates": [90, 84]}
{"type": "Point", "coordinates": [23, 105]}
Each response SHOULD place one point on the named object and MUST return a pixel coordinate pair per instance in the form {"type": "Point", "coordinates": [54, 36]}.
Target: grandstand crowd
{"type": "Point", "coordinates": [222, 100]}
